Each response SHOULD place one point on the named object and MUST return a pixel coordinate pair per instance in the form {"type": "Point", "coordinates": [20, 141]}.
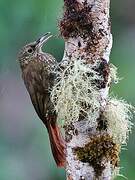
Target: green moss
{"type": "Point", "coordinates": [100, 147]}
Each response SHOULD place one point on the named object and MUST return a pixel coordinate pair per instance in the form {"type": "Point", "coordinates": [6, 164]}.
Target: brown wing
{"type": "Point", "coordinates": [38, 83]}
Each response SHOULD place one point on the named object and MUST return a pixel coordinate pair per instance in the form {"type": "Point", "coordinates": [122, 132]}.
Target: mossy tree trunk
{"type": "Point", "coordinates": [85, 27]}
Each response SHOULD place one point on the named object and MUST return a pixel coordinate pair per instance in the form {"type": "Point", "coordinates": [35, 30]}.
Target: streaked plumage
{"type": "Point", "coordinates": [38, 75]}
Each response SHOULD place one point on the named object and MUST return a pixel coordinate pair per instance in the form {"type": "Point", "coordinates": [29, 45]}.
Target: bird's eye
{"type": "Point", "coordinates": [30, 50]}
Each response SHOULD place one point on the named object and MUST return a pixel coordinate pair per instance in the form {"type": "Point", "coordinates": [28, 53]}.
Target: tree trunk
{"type": "Point", "coordinates": [86, 30]}
{"type": "Point", "coordinates": [81, 95]}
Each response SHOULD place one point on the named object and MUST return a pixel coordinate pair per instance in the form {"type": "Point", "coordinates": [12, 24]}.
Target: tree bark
{"type": "Point", "coordinates": [85, 27]}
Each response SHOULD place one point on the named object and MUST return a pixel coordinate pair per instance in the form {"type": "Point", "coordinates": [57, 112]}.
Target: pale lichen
{"type": "Point", "coordinates": [116, 173]}
{"type": "Point", "coordinates": [118, 114]}
{"type": "Point", "coordinates": [114, 74]}
{"type": "Point", "coordinates": [76, 94]}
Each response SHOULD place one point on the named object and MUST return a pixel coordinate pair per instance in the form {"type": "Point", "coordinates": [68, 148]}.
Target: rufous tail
{"type": "Point", "coordinates": [57, 144]}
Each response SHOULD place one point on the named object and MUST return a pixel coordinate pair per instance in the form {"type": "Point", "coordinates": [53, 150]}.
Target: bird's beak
{"type": "Point", "coordinates": [43, 39]}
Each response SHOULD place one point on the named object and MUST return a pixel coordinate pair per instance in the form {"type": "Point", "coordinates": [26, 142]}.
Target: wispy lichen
{"type": "Point", "coordinates": [76, 95]}
{"type": "Point", "coordinates": [116, 173]}
{"type": "Point", "coordinates": [118, 114]}
{"type": "Point", "coordinates": [114, 74]}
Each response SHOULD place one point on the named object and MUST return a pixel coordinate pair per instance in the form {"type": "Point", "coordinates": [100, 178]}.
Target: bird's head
{"type": "Point", "coordinates": [30, 51]}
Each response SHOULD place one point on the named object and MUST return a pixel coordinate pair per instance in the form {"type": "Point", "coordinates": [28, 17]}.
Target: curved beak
{"type": "Point", "coordinates": [43, 39]}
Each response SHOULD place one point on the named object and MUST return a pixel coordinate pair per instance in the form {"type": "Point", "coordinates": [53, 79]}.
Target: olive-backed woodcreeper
{"type": "Point", "coordinates": [38, 75]}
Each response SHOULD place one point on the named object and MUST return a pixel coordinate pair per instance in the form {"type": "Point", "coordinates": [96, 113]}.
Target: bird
{"type": "Point", "coordinates": [39, 77]}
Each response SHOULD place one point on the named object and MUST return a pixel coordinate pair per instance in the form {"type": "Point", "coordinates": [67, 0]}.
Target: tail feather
{"type": "Point", "coordinates": [57, 144]}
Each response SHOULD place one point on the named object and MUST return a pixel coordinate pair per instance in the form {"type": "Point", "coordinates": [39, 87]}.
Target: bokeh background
{"type": "Point", "coordinates": [24, 147]}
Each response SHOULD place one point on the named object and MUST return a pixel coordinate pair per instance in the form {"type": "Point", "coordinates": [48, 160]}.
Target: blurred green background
{"type": "Point", "coordinates": [24, 147]}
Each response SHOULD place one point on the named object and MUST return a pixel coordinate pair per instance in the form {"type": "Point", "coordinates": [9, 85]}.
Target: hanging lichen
{"type": "Point", "coordinates": [76, 93]}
